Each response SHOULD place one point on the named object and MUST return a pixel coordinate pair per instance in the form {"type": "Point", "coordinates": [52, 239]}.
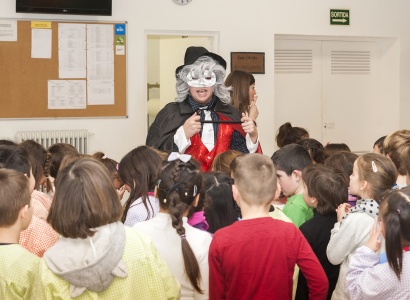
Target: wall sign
{"type": "Point", "coordinates": [339, 17]}
{"type": "Point", "coordinates": [251, 62]}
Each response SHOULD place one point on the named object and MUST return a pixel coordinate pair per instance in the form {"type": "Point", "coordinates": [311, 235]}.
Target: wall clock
{"type": "Point", "coordinates": [182, 2]}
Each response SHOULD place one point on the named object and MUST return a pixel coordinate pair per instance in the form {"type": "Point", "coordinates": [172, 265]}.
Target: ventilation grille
{"type": "Point", "coordinates": [350, 62]}
{"type": "Point", "coordinates": [293, 61]}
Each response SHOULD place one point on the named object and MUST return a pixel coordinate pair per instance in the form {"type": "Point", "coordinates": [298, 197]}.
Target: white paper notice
{"type": "Point", "coordinates": [72, 50]}
{"type": "Point", "coordinates": [119, 50]}
{"type": "Point", "coordinates": [71, 31]}
{"type": "Point", "coordinates": [41, 43]}
{"type": "Point", "coordinates": [67, 94]}
{"type": "Point", "coordinates": [8, 31]}
{"type": "Point", "coordinates": [100, 92]}
{"type": "Point", "coordinates": [100, 36]}
{"type": "Point", "coordinates": [72, 63]}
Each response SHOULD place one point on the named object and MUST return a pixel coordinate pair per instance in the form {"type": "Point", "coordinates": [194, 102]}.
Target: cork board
{"type": "Point", "coordinates": [24, 80]}
{"type": "Point", "coordinates": [251, 62]}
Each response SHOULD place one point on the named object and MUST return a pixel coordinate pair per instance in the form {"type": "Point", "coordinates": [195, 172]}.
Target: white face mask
{"type": "Point", "coordinates": [206, 79]}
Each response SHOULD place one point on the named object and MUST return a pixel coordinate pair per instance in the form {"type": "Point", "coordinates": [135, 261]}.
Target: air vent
{"type": "Point", "coordinates": [293, 61]}
{"type": "Point", "coordinates": [350, 62]}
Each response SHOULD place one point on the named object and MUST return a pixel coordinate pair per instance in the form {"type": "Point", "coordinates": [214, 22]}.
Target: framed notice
{"type": "Point", "coordinates": [251, 62]}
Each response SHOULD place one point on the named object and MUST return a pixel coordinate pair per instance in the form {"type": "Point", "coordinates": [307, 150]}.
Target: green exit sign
{"type": "Point", "coordinates": [339, 17]}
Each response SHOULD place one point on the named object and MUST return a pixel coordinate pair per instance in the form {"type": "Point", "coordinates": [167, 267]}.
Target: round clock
{"type": "Point", "coordinates": [182, 2]}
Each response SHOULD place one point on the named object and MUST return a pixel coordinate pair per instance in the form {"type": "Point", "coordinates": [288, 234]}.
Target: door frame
{"type": "Point", "coordinates": [214, 37]}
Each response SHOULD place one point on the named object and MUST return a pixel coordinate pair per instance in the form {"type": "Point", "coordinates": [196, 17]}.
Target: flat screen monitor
{"type": "Point", "coordinates": [67, 7]}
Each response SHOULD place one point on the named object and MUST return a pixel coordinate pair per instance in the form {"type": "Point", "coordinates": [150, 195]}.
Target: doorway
{"type": "Point", "coordinates": [165, 52]}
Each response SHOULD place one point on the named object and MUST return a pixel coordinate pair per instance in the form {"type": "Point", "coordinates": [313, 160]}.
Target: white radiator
{"type": "Point", "coordinates": [77, 138]}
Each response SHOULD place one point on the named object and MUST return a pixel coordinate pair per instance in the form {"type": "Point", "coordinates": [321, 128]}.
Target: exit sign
{"type": "Point", "coordinates": [339, 17]}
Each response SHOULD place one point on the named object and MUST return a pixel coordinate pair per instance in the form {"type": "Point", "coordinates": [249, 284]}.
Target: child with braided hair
{"type": "Point", "coordinates": [184, 248]}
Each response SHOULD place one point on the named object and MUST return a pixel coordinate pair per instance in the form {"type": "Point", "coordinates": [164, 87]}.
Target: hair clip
{"type": "Point", "coordinates": [183, 236]}
{"type": "Point", "coordinates": [158, 182]}
{"type": "Point", "coordinates": [195, 191]}
{"type": "Point", "coordinates": [398, 211]}
{"type": "Point", "coordinates": [182, 157]}
{"type": "Point", "coordinates": [104, 157]}
{"type": "Point", "coordinates": [374, 167]}
{"type": "Point", "coordinates": [117, 167]}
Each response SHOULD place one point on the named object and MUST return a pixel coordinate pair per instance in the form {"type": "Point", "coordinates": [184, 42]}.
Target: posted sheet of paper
{"type": "Point", "coordinates": [41, 43]}
{"type": "Point", "coordinates": [67, 94]}
{"type": "Point", "coordinates": [100, 36]}
{"type": "Point", "coordinates": [72, 63]}
{"type": "Point", "coordinates": [8, 31]}
{"type": "Point", "coordinates": [72, 50]}
{"type": "Point", "coordinates": [71, 31]}
{"type": "Point", "coordinates": [100, 52]}
{"type": "Point", "coordinates": [100, 64]}
{"type": "Point", "coordinates": [100, 92]}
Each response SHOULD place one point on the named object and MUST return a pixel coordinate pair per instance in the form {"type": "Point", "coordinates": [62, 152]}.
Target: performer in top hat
{"type": "Point", "coordinates": [202, 122]}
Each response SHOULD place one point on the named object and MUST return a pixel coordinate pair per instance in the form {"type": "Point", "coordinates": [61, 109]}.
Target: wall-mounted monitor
{"type": "Point", "coordinates": [67, 7]}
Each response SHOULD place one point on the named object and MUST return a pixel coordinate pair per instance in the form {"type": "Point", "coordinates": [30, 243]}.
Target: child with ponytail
{"type": "Point", "coordinates": [372, 179]}
{"type": "Point", "coordinates": [184, 248]}
{"type": "Point", "coordinates": [366, 278]}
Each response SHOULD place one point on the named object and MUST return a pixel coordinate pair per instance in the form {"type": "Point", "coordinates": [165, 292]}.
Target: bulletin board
{"type": "Point", "coordinates": [24, 80]}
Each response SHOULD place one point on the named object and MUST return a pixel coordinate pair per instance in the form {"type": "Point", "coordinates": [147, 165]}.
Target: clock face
{"type": "Point", "coordinates": [182, 2]}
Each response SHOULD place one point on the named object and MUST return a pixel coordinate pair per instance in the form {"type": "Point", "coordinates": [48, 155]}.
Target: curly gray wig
{"type": "Point", "coordinates": [199, 66]}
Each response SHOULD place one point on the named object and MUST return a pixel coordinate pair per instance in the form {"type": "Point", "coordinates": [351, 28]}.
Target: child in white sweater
{"type": "Point", "coordinates": [372, 178]}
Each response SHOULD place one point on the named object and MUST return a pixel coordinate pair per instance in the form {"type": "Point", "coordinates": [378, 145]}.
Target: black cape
{"type": "Point", "coordinates": [173, 115]}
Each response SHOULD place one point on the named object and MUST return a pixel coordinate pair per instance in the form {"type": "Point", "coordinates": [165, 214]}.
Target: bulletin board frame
{"type": "Point", "coordinates": [24, 80]}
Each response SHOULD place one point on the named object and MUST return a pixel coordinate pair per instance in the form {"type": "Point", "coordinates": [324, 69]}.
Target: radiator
{"type": "Point", "coordinates": [77, 138]}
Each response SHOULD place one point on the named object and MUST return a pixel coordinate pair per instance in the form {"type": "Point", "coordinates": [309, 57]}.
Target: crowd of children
{"type": "Point", "coordinates": [311, 222]}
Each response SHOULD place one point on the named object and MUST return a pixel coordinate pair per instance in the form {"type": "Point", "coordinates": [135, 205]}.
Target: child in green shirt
{"type": "Point", "coordinates": [289, 162]}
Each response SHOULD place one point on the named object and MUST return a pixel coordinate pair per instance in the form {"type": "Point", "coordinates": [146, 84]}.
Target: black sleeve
{"type": "Point", "coordinates": [238, 142]}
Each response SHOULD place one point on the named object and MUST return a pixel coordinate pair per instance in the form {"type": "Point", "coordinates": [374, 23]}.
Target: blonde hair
{"type": "Point", "coordinates": [379, 172]}
{"type": "Point", "coordinates": [255, 177]}
{"type": "Point", "coordinates": [396, 146]}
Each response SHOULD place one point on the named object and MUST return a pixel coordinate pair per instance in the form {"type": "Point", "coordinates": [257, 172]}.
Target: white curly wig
{"type": "Point", "coordinates": [198, 67]}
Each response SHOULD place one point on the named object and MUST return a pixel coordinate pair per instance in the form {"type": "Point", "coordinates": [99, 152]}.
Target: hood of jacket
{"type": "Point", "coordinates": [91, 263]}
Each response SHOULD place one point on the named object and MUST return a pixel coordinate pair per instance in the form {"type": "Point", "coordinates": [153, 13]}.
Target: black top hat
{"type": "Point", "coordinates": [193, 53]}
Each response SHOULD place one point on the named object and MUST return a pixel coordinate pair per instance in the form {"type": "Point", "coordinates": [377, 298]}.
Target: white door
{"type": "Point", "coordinates": [350, 91]}
{"type": "Point", "coordinates": [329, 88]}
{"type": "Point", "coordinates": [298, 85]}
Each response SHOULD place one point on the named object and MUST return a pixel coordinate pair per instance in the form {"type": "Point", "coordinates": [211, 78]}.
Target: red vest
{"type": "Point", "coordinates": [222, 143]}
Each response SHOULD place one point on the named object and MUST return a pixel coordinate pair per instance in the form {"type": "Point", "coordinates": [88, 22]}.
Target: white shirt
{"type": "Point", "coordinates": [168, 243]}
{"type": "Point", "coordinates": [367, 279]}
{"type": "Point", "coordinates": [183, 143]}
{"type": "Point", "coordinates": [138, 213]}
